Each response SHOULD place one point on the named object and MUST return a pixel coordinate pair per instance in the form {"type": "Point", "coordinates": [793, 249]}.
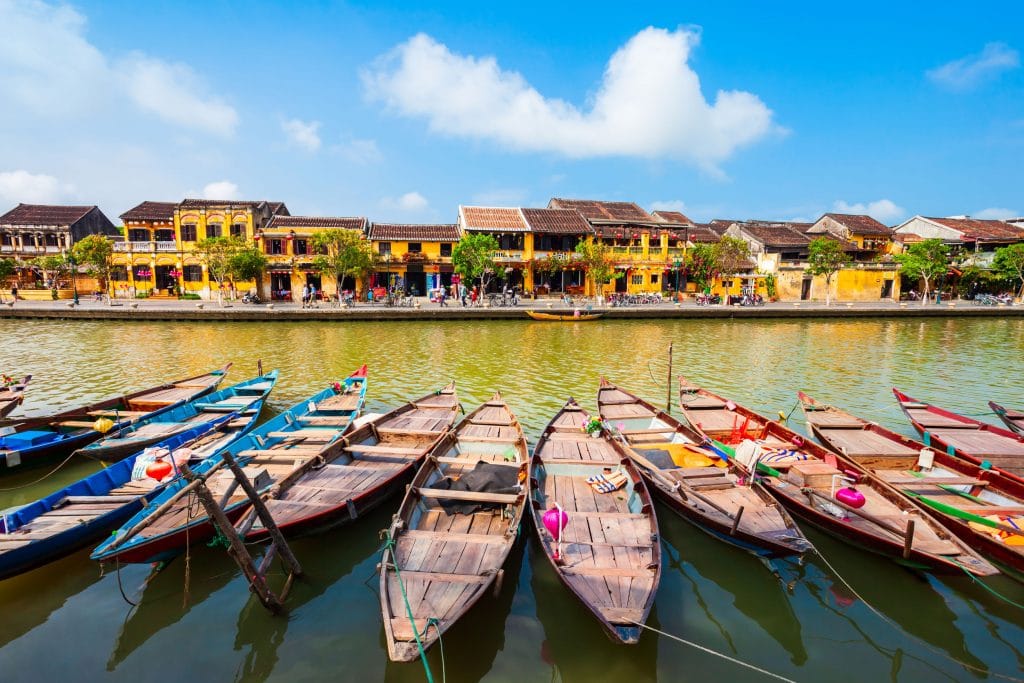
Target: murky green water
{"type": "Point", "coordinates": [66, 622]}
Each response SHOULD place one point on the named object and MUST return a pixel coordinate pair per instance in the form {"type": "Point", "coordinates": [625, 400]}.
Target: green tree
{"type": "Point", "coordinates": [925, 260]}
{"type": "Point", "coordinates": [702, 264]}
{"type": "Point", "coordinates": [94, 252]}
{"type": "Point", "coordinates": [826, 258]}
{"type": "Point", "coordinates": [473, 258]}
{"type": "Point", "coordinates": [343, 254]}
{"type": "Point", "coordinates": [246, 264]}
{"type": "Point", "coordinates": [217, 254]}
{"type": "Point", "coordinates": [597, 263]}
{"type": "Point", "coordinates": [1009, 262]}
{"type": "Point", "coordinates": [52, 266]}
{"type": "Point", "coordinates": [732, 255]}
{"type": "Point", "coordinates": [8, 267]}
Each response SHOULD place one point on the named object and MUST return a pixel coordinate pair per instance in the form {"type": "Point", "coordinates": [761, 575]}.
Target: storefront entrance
{"type": "Point", "coordinates": [281, 286]}
{"type": "Point", "coordinates": [165, 282]}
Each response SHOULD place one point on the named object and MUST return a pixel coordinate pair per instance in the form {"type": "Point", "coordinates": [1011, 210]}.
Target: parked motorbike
{"type": "Point", "coordinates": [251, 298]}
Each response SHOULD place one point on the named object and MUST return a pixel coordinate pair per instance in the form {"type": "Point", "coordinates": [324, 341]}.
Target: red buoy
{"type": "Point", "coordinates": [158, 469]}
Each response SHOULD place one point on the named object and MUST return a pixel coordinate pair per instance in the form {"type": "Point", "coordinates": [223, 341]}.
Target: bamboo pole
{"type": "Point", "coordinates": [908, 541]}
{"type": "Point", "coordinates": [668, 388]}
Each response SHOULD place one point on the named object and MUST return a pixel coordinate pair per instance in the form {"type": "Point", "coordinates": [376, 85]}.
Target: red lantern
{"type": "Point", "coordinates": [158, 469]}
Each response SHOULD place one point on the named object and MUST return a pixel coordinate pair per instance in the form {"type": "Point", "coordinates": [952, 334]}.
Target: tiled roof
{"type": "Point", "coordinates": [275, 207]}
{"type": "Point", "coordinates": [556, 221]}
{"type": "Point", "coordinates": [492, 219]}
{"type": "Point", "coordinates": [150, 211]}
{"type": "Point", "coordinates": [42, 214]}
{"type": "Point", "coordinates": [975, 229]}
{"type": "Point", "coordinates": [317, 222]}
{"type": "Point", "coordinates": [403, 232]}
{"type": "Point", "coordinates": [671, 217]}
{"type": "Point", "coordinates": [702, 234]}
{"type": "Point", "coordinates": [776, 235]}
{"type": "Point", "coordinates": [859, 224]}
{"type": "Point", "coordinates": [595, 210]}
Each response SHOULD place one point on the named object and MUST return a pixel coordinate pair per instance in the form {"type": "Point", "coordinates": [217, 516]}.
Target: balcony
{"type": "Point", "coordinates": [167, 246]}
{"type": "Point", "coordinates": [508, 256]}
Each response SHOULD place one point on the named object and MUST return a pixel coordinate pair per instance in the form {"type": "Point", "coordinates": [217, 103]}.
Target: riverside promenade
{"type": "Point", "coordinates": [174, 310]}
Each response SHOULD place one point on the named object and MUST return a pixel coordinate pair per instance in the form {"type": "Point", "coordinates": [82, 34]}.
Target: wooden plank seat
{"type": "Point", "coordinates": [901, 478]}
{"type": "Point", "coordinates": [385, 450]}
{"type": "Point", "coordinates": [325, 421]}
{"type": "Point", "coordinates": [471, 496]}
{"type": "Point", "coordinates": [586, 570]}
{"type": "Point", "coordinates": [471, 462]}
{"type": "Point", "coordinates": [926, 418]}
{"type": "Point", "coordinates": [833, 420]}
{"type": "Point", "coordinates": [452, 536]}
{"type": "Point", "coordinates": [862, 442]}
{"type": "Point", "coordinates": [115, 499]}
{"type": "Point", "coordinates": [649, 430]}
{"type": "Point", "coordinates": [409, 575]}
{"type": "Point", "coordinates": [296, 452]}
{"type": "Point", "coordinates": [306, 434]}
{"type": "Point", "coordinates": [695, 402]}
{"type": "Point", "coordinates": [398, 431]}
{"type": "Point", "coordinates": [488, 439]}
{"type": "Point", "coordinates": [119, 413]}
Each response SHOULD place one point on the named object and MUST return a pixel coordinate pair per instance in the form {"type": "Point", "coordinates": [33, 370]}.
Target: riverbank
{"type": "Point", "coordinates": [173, 310]}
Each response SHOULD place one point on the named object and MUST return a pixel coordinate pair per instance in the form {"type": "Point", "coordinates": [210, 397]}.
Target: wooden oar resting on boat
{"type": "Point", "coordinates": [699, 484]}
{"type": "Point", "coordinates": [1013, 419]}
{"type": "Point", "coordinates": [40, 441]}
{"type": "Point", "coordinates": [965, 437]}
{"type": "Point", "coordinates": [810, 482]}
{"type": "Point", "coordinates": [146, 431]}
{"type": "Point", "coordinates": [174, 519]}
{"type": "Point", "coordinates": [454, 529]}
{"type": "Point", "coordinates": [83, 512]}
{"type": "Point", "coordinates": [12, 395]}
{"type": "Point", "coordinates": [984, 507]}
{"type": "Point", "coordinates": [367, 466]}
{"type": "Point", "coordinates": [603, 544]}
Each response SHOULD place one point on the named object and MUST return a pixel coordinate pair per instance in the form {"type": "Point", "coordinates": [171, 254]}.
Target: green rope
{"type": "Point", "coordinates": [389, 544]}
{"type": "Point", "coordinates": [219, 540]}
{"type": "Point", "coordinates": [989, 588]}
{"type": "Point", "coordinates": [434, 622]}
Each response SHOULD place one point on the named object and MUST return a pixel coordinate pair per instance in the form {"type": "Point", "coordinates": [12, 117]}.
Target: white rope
{"type": "Point", "coordinates": [713, 652]}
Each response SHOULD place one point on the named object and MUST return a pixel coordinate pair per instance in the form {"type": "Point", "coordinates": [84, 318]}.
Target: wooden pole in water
{"type": "Point", "coordinates": [668, 391]}
{"type": "Point", "coordinates": [236, 548]}
{"type": "Point", "coordinates": [908, 540]}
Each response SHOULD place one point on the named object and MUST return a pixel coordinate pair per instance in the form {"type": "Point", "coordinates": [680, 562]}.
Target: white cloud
{"type": "Point", "coordinates": [669, 205]}
{"type": "Point", "coordinates": [996, 214]}
{"type": "Point", "coordinates": [883, 210]}
{"type": "Point", "coordinates": [649, 103]}
{"type": "Point", "coordinates": [222, 189]}
{"type": "Point", "coordinates": [49, 67]}
{"type": "Point", "coordinates": [31, 188]}
{"type": "Point", "coordinates": [361, 152]}
{"type": "Point", "coordinates": [972, 70]}
{"type": "Point", "coordinates": [410, 202]}
{"type": "Point", "coordinates": [302, 133]}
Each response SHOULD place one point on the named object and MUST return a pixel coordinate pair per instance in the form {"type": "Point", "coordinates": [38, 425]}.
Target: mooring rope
{"type": "Point", "coordinates": [709, 651]}
{"type": "Point", "coordinates": [119, 586]}
{"type": "Point", "coordinates": [45, 476]}
{"type": "Point", "coordinates": [389, 544]}
{"type": "Point", "coordinates": [924, 643]}
{"type": "Point", "coordinates": [989, 588]}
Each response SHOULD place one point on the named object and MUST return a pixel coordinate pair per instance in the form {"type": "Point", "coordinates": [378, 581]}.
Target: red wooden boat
{"type": "Point", "coordinates": [1013, 419]}
{"type": "Point", "coordinates": [965, 437]}
{"type": "Point", "coordinates": [984, 507]}
{"type": "Point", "coordinates": [806, 479]}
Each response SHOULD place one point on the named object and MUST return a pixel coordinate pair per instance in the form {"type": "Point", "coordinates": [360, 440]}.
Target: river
{"type": "Point", "coordinates": [65, 621]}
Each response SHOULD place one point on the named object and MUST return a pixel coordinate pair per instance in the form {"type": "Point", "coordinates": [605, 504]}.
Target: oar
{"type": "Point", "coordinates": [964, 515]}
{"type": "Point", "coordinates": [946, 487]}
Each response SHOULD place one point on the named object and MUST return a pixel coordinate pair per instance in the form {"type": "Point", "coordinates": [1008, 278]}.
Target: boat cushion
{"type": "Point", "coordinates": [27, 439]}
{"type": "Point", "coordinates": [658, 457]}
{"type": "Point", "coordinates": [484, 477]}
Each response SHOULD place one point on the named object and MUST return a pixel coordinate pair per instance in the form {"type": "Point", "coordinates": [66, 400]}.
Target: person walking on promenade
{"type": "Point", "coordinates": [312, 295]}
{"type": "Point", "coordinates": [472, 297]}
{"type": "Point", "coordinates": [442, 298]}
{"type": "Point", "coordinates": [463, 293]}
{"type": "Point", "coordinates": [305, 295]}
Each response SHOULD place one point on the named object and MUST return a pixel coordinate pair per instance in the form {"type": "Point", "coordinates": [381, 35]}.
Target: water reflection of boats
{"type": "Point", "coordinates": [569, 631]}
{"type": "Point", "coordinates": [757, 594]}
{"type": "Point", "coordinates": [164, 604]}
{"type": "Point", "coordinates": [30, 599]}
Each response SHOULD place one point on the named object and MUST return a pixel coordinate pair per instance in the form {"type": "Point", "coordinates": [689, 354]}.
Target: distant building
{"type": "Point", "coordinates": [864, 231]}
{"type": "Point", "coordinates": [414, 257]}
{"type": "Point", "coordinates": [973, 240]}
{"type": "Point", "coordinates": [287, 242]}
{"type": "Point", "coordinates": [31, 230]}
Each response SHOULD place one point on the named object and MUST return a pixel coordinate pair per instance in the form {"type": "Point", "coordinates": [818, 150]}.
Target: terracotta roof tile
{"type": "Point", "coordinates": [150, 211]}
{"type": "Point", "coordinates": [859, 224]}
{"type": "Point", "coordinates": [403, 232]}
{"type": "Point", "coordinates": [976, 229]}
{"type": "Point", "coordinates": [595, 210]}
{"type": "Point", "coordinates": [488, 218]}
{"type": "Point", "coordinates": [776, 235]}
{"type": "Point", "coordinates": [557, 221]}
{"type": "Point", "coordinates": [671, 217]}
{"type": "Point", "coordinates": [317, 222]}
{"type": "Point", "coordinates": [43, 214]}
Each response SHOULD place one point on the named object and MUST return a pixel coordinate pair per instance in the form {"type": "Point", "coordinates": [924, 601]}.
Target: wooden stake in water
{"type": "Point", "coordinates": [668, 390]}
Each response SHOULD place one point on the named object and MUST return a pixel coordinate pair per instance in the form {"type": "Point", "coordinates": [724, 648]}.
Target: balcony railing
{"type": "Point", "coordinates": [167, 246]}
{"type": "Point", "coordinates": [507, 256]}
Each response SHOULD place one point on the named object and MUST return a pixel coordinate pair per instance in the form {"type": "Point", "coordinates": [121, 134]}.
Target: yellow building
{"type": "Point", "coordinates": [158, 257]}
{"type": "Point", "coordinates": [287, 242]}
{"type": "Point", "coordinates": [413, 257]}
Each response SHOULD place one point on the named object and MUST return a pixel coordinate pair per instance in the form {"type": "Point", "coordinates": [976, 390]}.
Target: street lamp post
{"type": "Point", "coordinates": [74, 282]}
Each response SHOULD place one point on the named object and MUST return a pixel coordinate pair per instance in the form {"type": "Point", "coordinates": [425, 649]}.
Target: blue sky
{"type": "Point", "coordinates": [400, 112]}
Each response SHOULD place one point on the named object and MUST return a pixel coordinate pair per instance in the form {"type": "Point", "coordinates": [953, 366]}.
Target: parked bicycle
{"type": "Point", "coordinates": [708, 299]}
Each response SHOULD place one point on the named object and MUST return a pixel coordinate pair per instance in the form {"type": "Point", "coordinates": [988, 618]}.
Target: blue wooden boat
{"type": "Point", "coordinates": [120, 443]}
{"type": "Point", "coordinates": [41, 441]}
{"type": "Point", "coordinates": [87, 510]}
{"type": "Point", "coordinates": [169, 523]}
{"type": "Point", "coordinates": [12, 395]}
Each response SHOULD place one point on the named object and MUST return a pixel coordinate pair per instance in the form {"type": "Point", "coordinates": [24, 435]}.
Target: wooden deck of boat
{"type": "Point", "coordinates": [75, 511]}
{"type": "Point", "coordinates": [608, 551]}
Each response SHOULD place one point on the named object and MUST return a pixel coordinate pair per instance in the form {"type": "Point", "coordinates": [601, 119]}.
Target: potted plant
{"type": "Point", "coordinates": [594, 427]}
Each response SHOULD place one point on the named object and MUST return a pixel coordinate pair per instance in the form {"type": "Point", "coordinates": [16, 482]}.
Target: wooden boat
{"type": "Point", "coordinates": [12, 395]}
{"type": "Point", "coordinates": [575, 317]}
{"type": "Point", "coordinates": [610, 555]}
{"type": "Point", "coordinates": [173, 520]}
{"type": "Point", "coordinates": [476, 525]}
{"type": "Point", "coordinates": [805, 478]}
{"type": "Point", "coordinates": [375, 461]}
{"type": "Point", "coordinates": [132, 438]}
{"type": "Point", "coordinates": [984, 507]}
{"type": "Point", "coordinates": [703, 488]}
{"type": "Point", "coordinates": [965, 437]}
{"type": "Point", "coordinates": [1013, 419]}
{"type": "Point", "coordinates": [83, 512]}
{"type": "Point", "coordinates": [43, 440]}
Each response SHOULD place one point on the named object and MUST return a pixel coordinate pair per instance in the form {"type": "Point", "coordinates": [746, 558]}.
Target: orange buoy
{"type": "Point", "coordinates": [158, 469]}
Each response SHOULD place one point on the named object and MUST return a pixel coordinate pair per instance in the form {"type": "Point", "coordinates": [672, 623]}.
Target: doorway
{"type": "Point", "coordinates": [887, 289]}
{"type": "Point", "coordinates": [805, 289]}
{"type": "Point", "coordinates": [165, 282]}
